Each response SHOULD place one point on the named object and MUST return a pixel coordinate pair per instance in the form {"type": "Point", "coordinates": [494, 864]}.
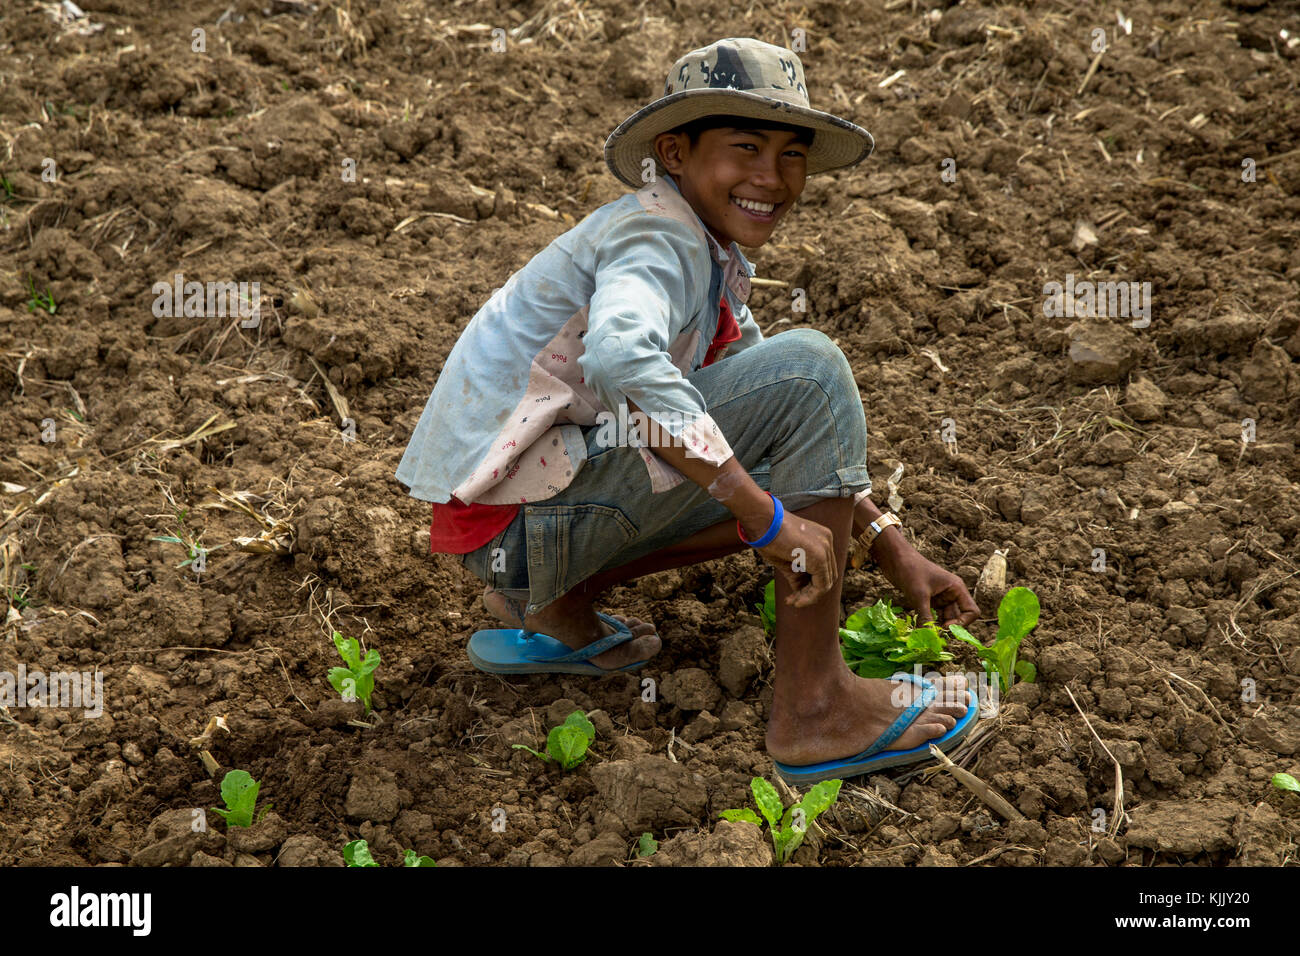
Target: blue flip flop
{"type": "Point", "coordinates": [515, 651]}
{"type": "Point", "coordinates": [876, 757]}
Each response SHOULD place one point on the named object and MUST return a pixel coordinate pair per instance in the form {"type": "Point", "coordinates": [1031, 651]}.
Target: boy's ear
{"type": "Point", "coordinates": [670, 149]}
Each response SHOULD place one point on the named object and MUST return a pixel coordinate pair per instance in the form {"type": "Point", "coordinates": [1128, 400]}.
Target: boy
{"type": "Point", "coordinates": [628, 316]}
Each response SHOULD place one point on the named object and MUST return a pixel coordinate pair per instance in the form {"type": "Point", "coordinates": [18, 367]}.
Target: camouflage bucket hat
{"type": "Point", "coordinates": [737, 76]}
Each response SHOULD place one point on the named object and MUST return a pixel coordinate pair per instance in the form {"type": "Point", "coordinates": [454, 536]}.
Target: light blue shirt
{"type": "Point", "coordinates": [622, 306]}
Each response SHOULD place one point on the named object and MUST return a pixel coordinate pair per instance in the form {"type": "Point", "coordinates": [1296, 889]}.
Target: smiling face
{"type": "Point", "coordinates": [740, 181]}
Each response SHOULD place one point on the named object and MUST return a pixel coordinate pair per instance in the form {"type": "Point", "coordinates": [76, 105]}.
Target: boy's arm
{"type": "Point", "coordinates": [735, 489]}
{"type": "Point", "coordinates": [647, 287]}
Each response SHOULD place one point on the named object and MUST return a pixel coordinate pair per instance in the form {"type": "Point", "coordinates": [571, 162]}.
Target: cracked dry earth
{"type": "Point", "coordinates": [1071, 435]}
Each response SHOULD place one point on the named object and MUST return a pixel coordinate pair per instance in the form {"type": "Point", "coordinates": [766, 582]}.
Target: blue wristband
{"type": "Point", "coordinates": [778, 515]}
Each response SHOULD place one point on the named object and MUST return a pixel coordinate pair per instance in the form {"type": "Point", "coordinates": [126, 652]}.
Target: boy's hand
{"type": "Point", "coordinates": [803, 551]}
{"type": "Point", "coordinates": [927, 588]}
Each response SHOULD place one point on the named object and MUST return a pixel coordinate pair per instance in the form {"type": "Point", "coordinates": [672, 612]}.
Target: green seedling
{"type": "Point", "coordinates": [767, 610]}
{"type": "Point", "coordinates": [788, 827]}
{"type": "Point", "coordinates": [357, 680]}
{"type": "Point", "coordinates": [7, 188]}
{"type": "Point", "coordinates": [647, 845]}
{"type": "Point", "coordinates": [877, 642]}
{"type": "Point", "coordinates": [357, 853]}
{"type": "Point", "coordinates": [35, 301]}
{"type": "Point", "coordinates": [239, 791]}
{"type": "Point", "coordinates": [66, 109]}
{"type": "Point", "coordinates": [1284, 781]}
{"type": "Point", "coordinates": [196, 553]}
{"type": "Point", "coordinates": [17, 594]}
{"type": "Point", "coordinates": [1017, 616]}
{"type": "Point", "coordinates": [566, 744]}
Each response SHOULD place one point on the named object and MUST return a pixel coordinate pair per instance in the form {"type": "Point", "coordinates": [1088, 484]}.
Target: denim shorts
{"type": "Point", "coordinates": [788, 407]}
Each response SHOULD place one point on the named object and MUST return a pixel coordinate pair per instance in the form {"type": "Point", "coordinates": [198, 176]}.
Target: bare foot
{"type": "Point", "coordinates": [573, 622]}
{"type": "Point", "coordinates": [848, 720]}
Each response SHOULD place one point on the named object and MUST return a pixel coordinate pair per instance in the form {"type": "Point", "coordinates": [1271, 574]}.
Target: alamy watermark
{"type": "Point", "coordinates": [214, 300]}
{"type": "Point", "coordinates": [55, 689]}
{"type": "Point", "coordinates": [986, 691]}
{"type": "Point", "coordinates": [1098, 300]}
{"type": "Point", "coordinates": [639, 430]}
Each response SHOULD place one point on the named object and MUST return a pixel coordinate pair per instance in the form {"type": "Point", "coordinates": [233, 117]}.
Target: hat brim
{"type": "Point", "coordinates": [837, 145]}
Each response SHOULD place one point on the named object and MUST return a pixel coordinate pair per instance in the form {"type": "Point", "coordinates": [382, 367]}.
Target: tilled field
{"type": "Point", "coordinates": [378, 168]}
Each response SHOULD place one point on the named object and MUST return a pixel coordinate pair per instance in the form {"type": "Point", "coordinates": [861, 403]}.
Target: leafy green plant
{"type": "Point", "coordinates": [35, 301]}
{"type": "Point", "coordinates": [566, 744]}
{"type": "Point", "coordinates": [1017, 616]}
{"type": "Point", "coordinates": [357, 680]}
{"type": "Point", "coordinates": [1284, 781]}
{"type": "Point", "coordinates": [357, 853]}
{"type": "Point", "coordinates": [647, 845]}
{"type": "Point", "coordinates": [787, 828]}
{"type": "Point", "coordinates": [239, 792]}
{"type": "Point", "coordinates": [877, 642]}
{"type": "Point", "coordinates": [767, 610]}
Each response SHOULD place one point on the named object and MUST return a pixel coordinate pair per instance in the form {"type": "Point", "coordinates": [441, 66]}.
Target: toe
{"type": "Point", "coordinates": [927, 731]}
{"type": "Point", "coordinates": [646, 647]}
{"type": "Point", "coordinates": [635, 624]}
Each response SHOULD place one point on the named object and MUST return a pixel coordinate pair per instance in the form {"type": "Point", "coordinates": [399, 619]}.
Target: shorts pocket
{"type": "Point", "coordinates": [492, 563]}
{"type": "Point", "coordinates": [569, 543]}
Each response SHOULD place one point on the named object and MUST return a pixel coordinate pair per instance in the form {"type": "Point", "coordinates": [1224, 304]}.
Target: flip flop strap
{"type": "Point", "coordinates": [622, 634]}
{"type": "Point", "coordinates": [896, 729]}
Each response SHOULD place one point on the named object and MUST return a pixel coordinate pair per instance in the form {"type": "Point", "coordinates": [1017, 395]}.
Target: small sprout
{"type": "Point", "coordinates": [767, 610]}
{"type": "Point", "coordinates": [239, 791]}
{"type": "Point", "coordinates": [1284, 781]}
{"type": "Point", "coordinates": [357, 853]}
{"type": "Point", "coordinates": [196, 552]}
{"type": "Point", "coordinates": [357, 680]}
{"type": "Point", "coordinates": [35, 301]}
{"type": "Point", "coordinates": [787, 828]}
{"type": "Point", "coordinates": [17, 596]}
{"type": "Point", "coordinates": [647, 845]}
{"type": "Point", "coordinates": [566, 744]}
{"type": "Point", "coordinates": [1017, 616]}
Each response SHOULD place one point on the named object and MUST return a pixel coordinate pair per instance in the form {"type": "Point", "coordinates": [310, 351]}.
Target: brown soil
{"type": "Point", "coordinates": [228, 165]}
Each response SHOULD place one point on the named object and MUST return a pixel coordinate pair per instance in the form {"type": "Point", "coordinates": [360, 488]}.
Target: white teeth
{"type": "Point", "coordinates": [758, 207]}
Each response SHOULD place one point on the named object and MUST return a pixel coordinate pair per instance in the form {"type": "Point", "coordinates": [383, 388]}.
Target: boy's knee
{"type": "Point", "coordinates": [816, 353]}
{"type": "Point", "coordinates": [813, 355]}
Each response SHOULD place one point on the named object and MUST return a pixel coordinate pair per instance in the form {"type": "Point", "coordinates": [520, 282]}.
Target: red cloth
{"type": "Point", "coordinates": [728, 332]}
{"type": "Point", "coordinates": [459, 528]}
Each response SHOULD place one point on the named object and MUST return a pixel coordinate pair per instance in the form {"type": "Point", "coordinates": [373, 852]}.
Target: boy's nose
{"type": "Point", "coordinates": [766, 173]}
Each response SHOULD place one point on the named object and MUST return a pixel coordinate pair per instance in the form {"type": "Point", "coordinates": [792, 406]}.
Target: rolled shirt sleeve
{"type": "Point", "coordinates": [648, 288]}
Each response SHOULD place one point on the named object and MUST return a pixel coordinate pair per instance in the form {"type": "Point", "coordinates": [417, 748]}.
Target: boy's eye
{"type": "Point", "coordinates": [788, 152]}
